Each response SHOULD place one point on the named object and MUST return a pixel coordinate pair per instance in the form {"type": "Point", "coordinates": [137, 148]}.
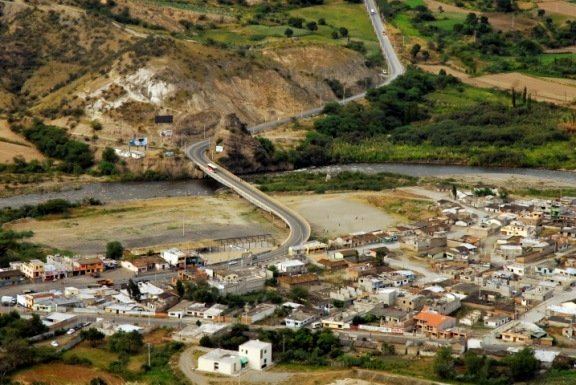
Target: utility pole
{"type": "Point", "coordinates": [149, 360]}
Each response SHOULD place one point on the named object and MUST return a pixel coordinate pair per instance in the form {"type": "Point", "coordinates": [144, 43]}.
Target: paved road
{"type": "Point", "coordinates": [299, 227]}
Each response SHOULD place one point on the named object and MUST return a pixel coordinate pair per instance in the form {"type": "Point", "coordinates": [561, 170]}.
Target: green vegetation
{"type": "Point", "coordinates": [426, 118]}
{"type": "Point", "coordinates": [54, 142]}
{"type": "Point", "coordinates": [473, 41]}
{"type": "Point", "coordinates": [13, 246]}
{"type": "Point", "coordinates": [319, 182]}
{"type": "Point", "coordinates": [17, 352]}
{"type": "Point", "coordinates": [114, 250]}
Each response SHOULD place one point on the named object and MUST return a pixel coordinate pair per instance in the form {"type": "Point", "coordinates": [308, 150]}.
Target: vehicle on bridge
{"type": "Point", "coordinates": [211, 167]}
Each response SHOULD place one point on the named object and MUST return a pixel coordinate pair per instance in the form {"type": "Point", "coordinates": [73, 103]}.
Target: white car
{"type": "Point", "coordinates": [71, 331]}
{"type": "Point", "coordinates": [54, 343]}
{"type": "Point", "coordinates": [372, 11]}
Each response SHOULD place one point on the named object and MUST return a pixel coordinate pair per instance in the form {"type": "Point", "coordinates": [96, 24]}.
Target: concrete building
{"type": "Point", "coordinates": [258, 313]}
{"type": "Point", "coordinates": [221, 361]}
{"type": "Point", "coordinates": [258, 353]}
{"type": "Point", "coordinates": [291, 266]}
{"type": "Point", "coordinates": [299, 319]}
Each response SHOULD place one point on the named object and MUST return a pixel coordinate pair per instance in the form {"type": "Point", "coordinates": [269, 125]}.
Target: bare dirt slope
{"type": "Point", "coordinates": [559, 7]}
{"type": "Point", "coordinates": [13, 145]}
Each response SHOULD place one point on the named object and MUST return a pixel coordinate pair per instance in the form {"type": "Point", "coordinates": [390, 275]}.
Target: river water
{"type": "Point", "coordinates": [124, 191]}
{"type": "Point", "coordinates": [422, 170]}
{"type": "Point", "coordinates": [117, 191]}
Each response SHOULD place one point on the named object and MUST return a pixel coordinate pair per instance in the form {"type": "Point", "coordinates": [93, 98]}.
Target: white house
{"type": "Point", "coordinates": [221, 361]}
{"type": "Point", "coordinates": [291, 266]}
{"type": "Point", "coordinates": [174, 257]}
{"type": "Point", "coordinates": [299, 319]}
{"type": "Point", "coordinates": [258, 353]}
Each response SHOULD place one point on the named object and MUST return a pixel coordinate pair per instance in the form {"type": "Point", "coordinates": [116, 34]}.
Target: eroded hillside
{"type": "Point", "coordinates": [73, 64]}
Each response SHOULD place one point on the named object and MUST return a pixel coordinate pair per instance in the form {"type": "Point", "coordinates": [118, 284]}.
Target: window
{"type": "Point", "coordinates": [216, 365]}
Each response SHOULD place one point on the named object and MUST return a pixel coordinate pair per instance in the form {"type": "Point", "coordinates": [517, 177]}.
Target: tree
{"type": "Point", "coordinates": [425, 55]}
{"type": "Point", "coordinates": [299, 293]}
{"type": "Point", "coordinates": [93, 336]}
{"type": "Point", "coordinates": [414, 50]}
{"type": "Point", "coordinates": [454, 191]}
{"type": "Point", "coordinates": [541, 13]}
{"type": "Point", "coordinates": [296, 22]}
{"type": "Point", "coordinates": [114, 250]}
{"type": "Point", "coordinates": [180, 289]}
{"type": "Point", "coordinates": [98, 381]}
{"type": "Point", "coordinates": [96, 125]}
{"type": "Point", "coordinates": [335, 35]}
{"type": "Point", "coordinates": [206, 342]}
{"type": "Point", "coordinates": [321, 21]}
{"type": "Point", "coordinates": [473, 363]}
{"type": "Point", "coordinates": [343, 32]}
{"type": "Point", "coordinates": [444, 363]}
{"type": "Point", "coordinates": [312, 26]}
{"type": "Point", "coordinates": [109, 155]}
{"type": "Point", "coordinates": [288, 33]}
{"type": "Point", "coordinates": [134, 291]}
{"type": "Point", "coordinates": [523, 365]}
{"type": "Point", "coordinates": [127, 343]}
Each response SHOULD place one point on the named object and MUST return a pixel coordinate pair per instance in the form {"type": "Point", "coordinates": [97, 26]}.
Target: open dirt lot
{"type": "Point", "coordinates": [152, 222]}
{"type": "Point", "coordinates": [560, 7]}
{"type": "Point", "coordinates": [344, 213]}
{"type": "Point", "coordinates": [552, 90]}
{"type": "Point", "coordinates": [12, 145]}
{"type": "Point", "coordinates": [62, 374]}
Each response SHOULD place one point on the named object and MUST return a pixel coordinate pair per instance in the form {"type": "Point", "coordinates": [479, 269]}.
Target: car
{"type": "Point", "coordinates": [372, 11]}
{"type": "Point", "coordinates": [71, 331]}
{"type": "Point", "coordinates": [54, 343]}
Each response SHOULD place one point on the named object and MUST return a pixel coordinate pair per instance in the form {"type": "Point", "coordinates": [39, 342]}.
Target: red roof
{"type": "Point", "coordinates": [431, 318]}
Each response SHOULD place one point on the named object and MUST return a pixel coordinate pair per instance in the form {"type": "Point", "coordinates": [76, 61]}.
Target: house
{"type": "Point", "coordinates": [522, 333]}
{"type": "Point", "coordinates": [215, 311]}
{"type": "Point", "coordinates": [10, 277]}
{"type": "Point", "coordinates": [370, 283]}
{"type": "Point", "coordinates": [33, 269]}
{"type": "Point", "coordinates": [258, 313]}
{"type": "Point", "coordinates": [339, 321]}
{"type": "Point", "coordinates": [333, 265]}
{"type": "Point", "coordinates": [291, 266]}
{"type": "Point", "coordinates": [84, 266]}
{"type": "Point", "coordinates": [433, 324]}
{"type": "Point", "coordinates": [56, 321]}
{"type": "Point", "coordinates": [387, 296]}
{"type": "Point", "coordinates": [258, 353]}
{"type": "Point", "coordinates": [447, 304]}
{"type": "Point", "coordinates": [390, 317]}
{"type": "Point", "coordinates": [221, 361]}
{"type": "Point", "coordinates": [495, 322]}
{"type": "Point", "coordinates": [178, 258]}
{"type": "Point", "coordinates": [410, 301]}
{"type": "Point", "coordinates": [290, 281]}
{"type": "Point", "coordinates": [299, 319]}
{"type": "Point", "coordinates": [179, 310]}
{"type": "Point", "coordinates": [347, 254]}
{"type": "Point", "coordinates": [193, 333]}
{"type": "Point", "coordinates": [308, 248]}
{"type": "Point", "coordinates": [144, 264]}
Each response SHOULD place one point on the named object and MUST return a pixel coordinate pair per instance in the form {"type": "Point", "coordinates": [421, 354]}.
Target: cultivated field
{"type": "Point", "coordinates": [560, 7]}
{"type": "Point", "coordinates": [553, 90]}
{"type": "Point", "coordinates": [12, 145]}
{"type": "Point", "coordinates": [63, 374]}
{"type": "Point", "coordinates": [152, 222]}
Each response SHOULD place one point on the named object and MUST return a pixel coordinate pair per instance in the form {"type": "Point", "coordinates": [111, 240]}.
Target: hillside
{"type": "Point", "coordinates": [104, 70]}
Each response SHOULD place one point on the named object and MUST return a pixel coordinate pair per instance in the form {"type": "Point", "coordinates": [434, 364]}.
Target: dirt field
{"type": "Point", "coordinates": [12, 145]}
{"type": "Point", "coordinates": [345, 213]}
{"type": "Point", "coordinates": [62, 374]}
{"type": "Point", "coordinates": [560, 7]}
{"type": "Point", "coordinates": [152, 222]}
{"type": "Point", "coordinates": [552, 90]}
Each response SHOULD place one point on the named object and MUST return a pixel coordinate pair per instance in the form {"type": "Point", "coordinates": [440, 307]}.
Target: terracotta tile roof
{"type": "Point", "coordinates": [431, 318]}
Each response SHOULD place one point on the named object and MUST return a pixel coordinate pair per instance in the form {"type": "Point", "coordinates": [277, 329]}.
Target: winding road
{"type": "Point", "coordinates": [299, 227]}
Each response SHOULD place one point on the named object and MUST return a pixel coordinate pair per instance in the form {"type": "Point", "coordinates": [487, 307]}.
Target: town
{"type": "Point", "coordinates": [487, 273]}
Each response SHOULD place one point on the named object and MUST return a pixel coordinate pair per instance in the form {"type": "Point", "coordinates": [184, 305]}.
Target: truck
{"type": "Point", "coordinates": [105, 282]}
{"type": "Point", "coordinates": [7, 300]}
{"type": "Point", "coordinates": [211, 167]}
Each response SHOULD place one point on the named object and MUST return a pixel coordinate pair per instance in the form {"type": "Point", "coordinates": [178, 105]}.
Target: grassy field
{"type": "Point", "coordinates": [548, 58]}
{"type": "Point", "coordinates": [446, 21]}
{"type": "Point", "coordinates": [404, 24]}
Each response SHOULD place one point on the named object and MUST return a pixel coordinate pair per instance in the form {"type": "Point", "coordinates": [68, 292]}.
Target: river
{"type": "Point", "coordinates": [423, 170]}
{"type": "Point", "coordinates": [117, 191]}
{"type": "Point", "coordinates": [125, 191]}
